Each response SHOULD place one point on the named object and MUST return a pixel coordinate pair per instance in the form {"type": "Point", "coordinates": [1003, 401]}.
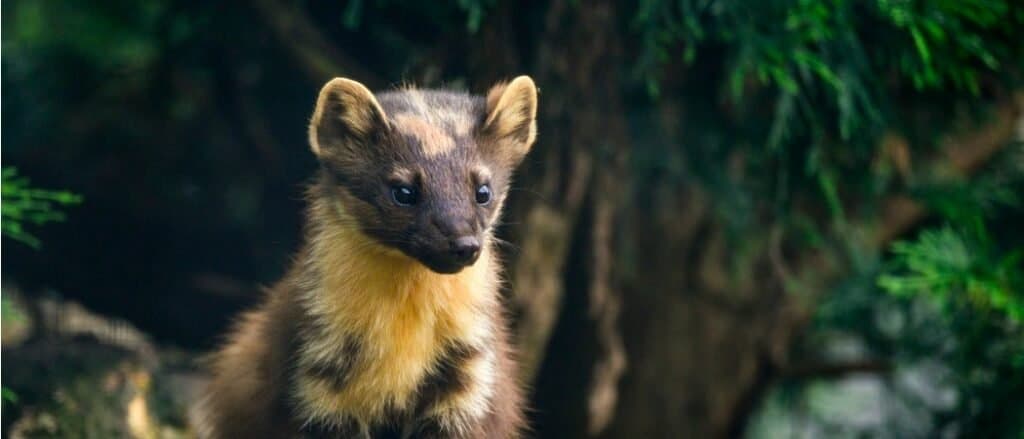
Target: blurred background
{"type": "Point", "coordinates": [785, 218]}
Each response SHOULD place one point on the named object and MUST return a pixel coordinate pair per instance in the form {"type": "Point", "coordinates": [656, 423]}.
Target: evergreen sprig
{"type": "Point", "coordinates": [23, 204]}
{"type": "Point", "coordinates": [958, 270]}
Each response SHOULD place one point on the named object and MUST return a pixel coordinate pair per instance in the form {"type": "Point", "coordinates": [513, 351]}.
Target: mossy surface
{"type": "Point", "coordinates": [82, 388]}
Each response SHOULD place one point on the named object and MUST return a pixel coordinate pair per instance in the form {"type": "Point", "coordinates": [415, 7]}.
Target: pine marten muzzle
{"type": "Point", "coordinates": [389, 323]}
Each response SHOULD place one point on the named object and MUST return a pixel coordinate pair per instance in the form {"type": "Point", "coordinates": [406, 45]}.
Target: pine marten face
{"type": "Point", "coordinates": [422, 171]}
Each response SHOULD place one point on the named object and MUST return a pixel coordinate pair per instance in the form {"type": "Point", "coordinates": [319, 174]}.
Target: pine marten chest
{"type": "Point", "coordinates": [387, 343]}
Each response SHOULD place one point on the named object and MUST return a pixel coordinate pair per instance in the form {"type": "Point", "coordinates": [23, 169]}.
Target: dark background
{"type": "Point", "coordinates": [739, 219]}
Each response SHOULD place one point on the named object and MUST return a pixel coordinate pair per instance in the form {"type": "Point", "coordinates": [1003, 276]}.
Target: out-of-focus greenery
{"type": "Point", "coordinates": [813, 85]}
{"type": "Point", "coordinates": [962, 264]}
{"type": "Point", "coordinates": [8, 313]}
{"type": "Point", "coordinates": [943, 309]}
{"type": "Point", "coordinates": [21, 204]}
{"type": "Point", "coordinates": [24, 205]}
{"type": "Point", "coordinates": [959, 271]}
{"type": "Point", "coordinates": [783, 106]}
{"type": "Point", "coordinates": [974, 277]}
{"type": "Point", "coordinates": [809, 90]}
{"type": "Point", "coordinates": [833, 50]}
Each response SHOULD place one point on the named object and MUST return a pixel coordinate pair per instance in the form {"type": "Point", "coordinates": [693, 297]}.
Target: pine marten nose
{"type": "Point", "coordinates": [466, 249]}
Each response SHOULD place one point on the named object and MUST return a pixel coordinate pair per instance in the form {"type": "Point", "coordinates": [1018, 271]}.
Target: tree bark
{"type": "Point", "coordinates": [570, 206]}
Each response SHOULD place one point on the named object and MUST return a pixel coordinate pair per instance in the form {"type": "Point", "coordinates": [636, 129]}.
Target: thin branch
{"type": "Point", "coordinates": [835, 370]}
{"type": "Point", "coordinates": [964, 155]}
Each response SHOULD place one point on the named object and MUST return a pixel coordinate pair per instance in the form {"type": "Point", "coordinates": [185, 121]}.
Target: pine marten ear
{"type": "Point", "coordinates": [511, 126]}
{"type": "Point", "coordinates": [347, 118]}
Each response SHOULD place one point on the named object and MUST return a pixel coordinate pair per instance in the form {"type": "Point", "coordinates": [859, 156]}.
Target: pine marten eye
{"type": "Point", "coordinates": [404, 195]}
{"type": "Point", "coordinates": [483, 194]}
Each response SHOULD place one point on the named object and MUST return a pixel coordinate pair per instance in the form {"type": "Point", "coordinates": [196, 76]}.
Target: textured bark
{"type": "Point", "coordinates": [582, 130]}
{"type": "Point", "coordinates": [605, 305]}
{"type": "Point", "coordinates": [573, 48]}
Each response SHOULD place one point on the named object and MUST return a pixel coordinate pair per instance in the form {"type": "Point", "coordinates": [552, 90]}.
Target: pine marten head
{"type": "Point", "coordinates": [422, 171]}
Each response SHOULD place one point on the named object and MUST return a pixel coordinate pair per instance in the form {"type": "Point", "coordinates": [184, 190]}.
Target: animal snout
{"type": "Point", "coordinates": [465, 249]}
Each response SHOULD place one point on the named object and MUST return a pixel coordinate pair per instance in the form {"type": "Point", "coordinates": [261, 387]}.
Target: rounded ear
{"type": "Point", "coordinates": [511, 123]}
{"type": "Point", "coordinates": [346, 117]}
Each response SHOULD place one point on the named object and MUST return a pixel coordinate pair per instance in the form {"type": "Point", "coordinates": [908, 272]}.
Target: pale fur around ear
{"type": "Point", "coordinates": [346, 111]}
{"type": "Point", "coordinates": [512, 115]}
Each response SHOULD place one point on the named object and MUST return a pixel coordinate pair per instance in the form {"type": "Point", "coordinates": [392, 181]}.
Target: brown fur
{"type": "Point", "coordinates": [375, 332]}
{"type": "Point", "coordinates": [434, 140]}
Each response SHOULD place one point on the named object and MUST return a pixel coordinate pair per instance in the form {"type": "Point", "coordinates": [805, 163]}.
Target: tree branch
{"type": "Point", "coordinates": [964, 155]}
{"type": "Point", "coordinates": [835, 370]}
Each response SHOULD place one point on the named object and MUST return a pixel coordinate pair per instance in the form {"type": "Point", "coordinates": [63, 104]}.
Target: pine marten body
{"type": "Point", "coordinates": [389, 324]}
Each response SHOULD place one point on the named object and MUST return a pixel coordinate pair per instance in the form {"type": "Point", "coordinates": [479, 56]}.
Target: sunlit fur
{"type": "Point", "coordinates": [355, 96]}
{"type": "Point", "coordinates": [361, 338]}
{"type": "Point", "coordinates": [405, 314]}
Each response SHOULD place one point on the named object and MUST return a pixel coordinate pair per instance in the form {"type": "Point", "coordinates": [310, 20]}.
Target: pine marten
{"type": "Point", "coordinates": [389, 323]}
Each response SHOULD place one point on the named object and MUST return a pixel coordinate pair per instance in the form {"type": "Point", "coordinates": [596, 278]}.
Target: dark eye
{"type": "Point", "coordinates": [404, 195]}
{"type": "Point", "coordinates": [483, 194]}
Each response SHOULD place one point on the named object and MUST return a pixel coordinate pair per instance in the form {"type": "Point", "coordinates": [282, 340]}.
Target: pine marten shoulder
{"type": "Point", "coordinates": [389, 323]}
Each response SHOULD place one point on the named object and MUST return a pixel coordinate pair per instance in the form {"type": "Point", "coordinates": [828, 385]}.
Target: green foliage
{"type": "Point", "coordinates": [828, 76]}
{"type": "Point", "coordinates": [123, 36]}
{"type": "Point", "coordinates": [977, 287]}
{"type": "Point", "coordinates": [805, 90]}
{"type": "Point", "coordinates": [958, 270]}
{"type": "Point", "coordinates": [475, 12]}
{"type": "Point", "coordinates": [9, 395]}
{"type": "Point", "coordinates": [802, 45]}
{"type": "Point", "coordinates": [944, 310]}
{"type": "Point", "coordinates": [950, 45]}
{"type": "Point", "coordinates": [971, 269]}
{"type": "Point", "coordinates": [23, 205]}
{"type": "Point", "coordinates": [795, 96]}
{"type": "Point", "coordinates": [961, 265]}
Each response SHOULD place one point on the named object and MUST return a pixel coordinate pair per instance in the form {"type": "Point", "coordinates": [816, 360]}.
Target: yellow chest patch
{"type": "Point", "coordinates": [403, 313]}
